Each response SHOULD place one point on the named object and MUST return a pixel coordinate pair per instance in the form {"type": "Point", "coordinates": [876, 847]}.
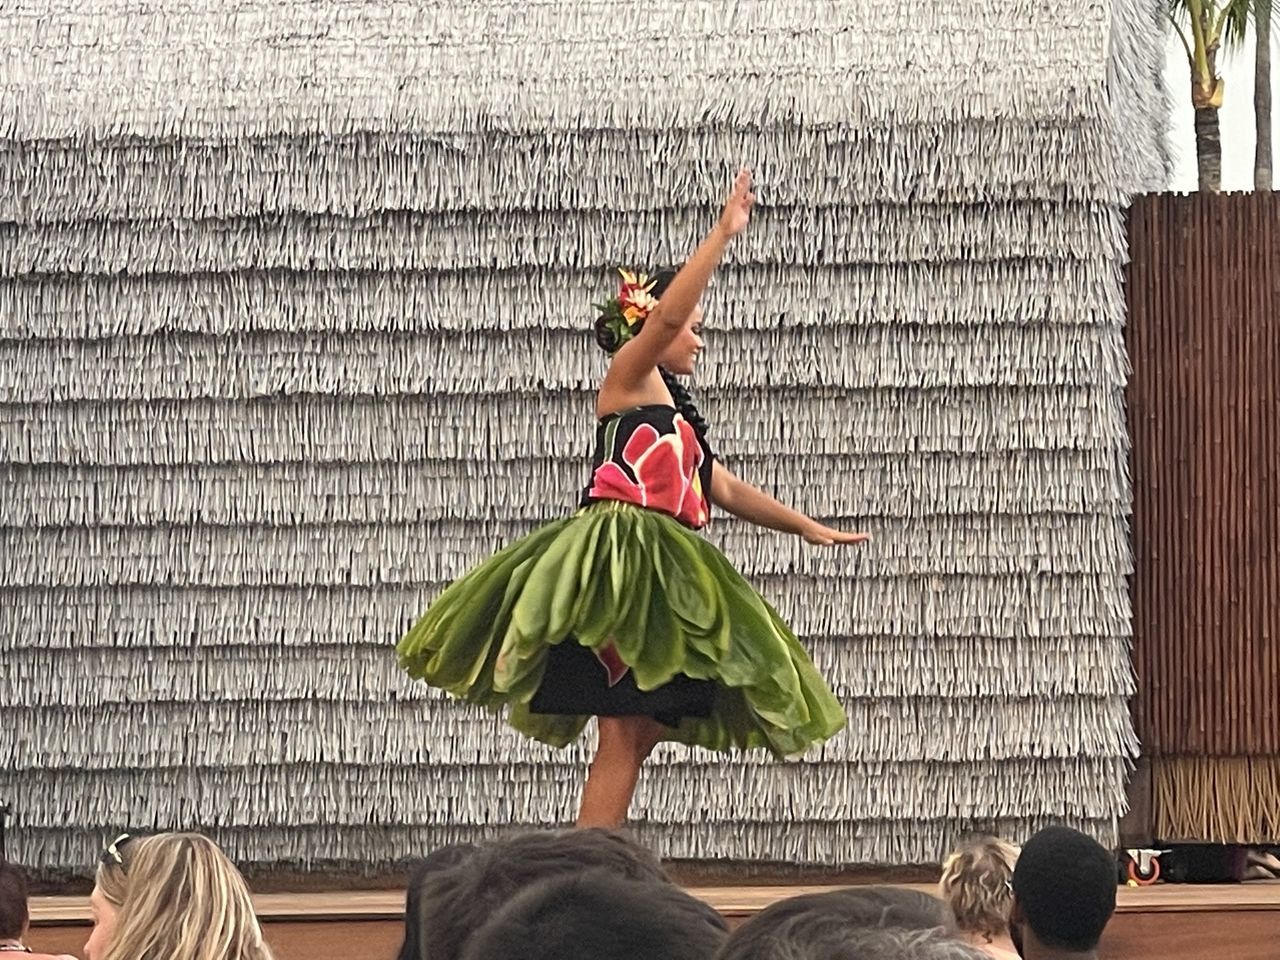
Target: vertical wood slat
{"type": "Point", "coordinates": [1204, 340]}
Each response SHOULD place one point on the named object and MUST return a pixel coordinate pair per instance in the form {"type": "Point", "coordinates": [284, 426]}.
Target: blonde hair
{"type": "Point", "coordinates": [179, 898]}
{"type": "Point", "coordinates": [976, 886]}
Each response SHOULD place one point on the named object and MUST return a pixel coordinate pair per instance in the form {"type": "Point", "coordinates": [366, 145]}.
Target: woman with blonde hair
{"type": "Point", "coordinates": [172, 896]}
{"type": "Point", "coordinates": [977, 884]}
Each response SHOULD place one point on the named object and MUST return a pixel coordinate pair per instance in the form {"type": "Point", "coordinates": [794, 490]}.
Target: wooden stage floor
{"type": "Point", "coordinates": [1168, 922]}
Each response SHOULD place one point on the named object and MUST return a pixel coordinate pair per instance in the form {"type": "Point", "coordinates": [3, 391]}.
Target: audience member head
{"type": "Point", "coordinates": [977, 885]}
{"type": "Point", "coordinates": [886, 944]}
{"type": "Point", "coordinates": [14, 917]}
{"type": "Point", "coordinates": [1064, 892]}
{"type": "Point", "coordinates": [457, 901]}
{"type": "Point", "coordinates": [444, 858]}
{"type": "Point", "coordinates": [821, 921]}
{"type": "Point", "coordinates": [174, 896]}
{"type": "Point", "coordinates": [597, 915]}
{"type": "Point", "coordinates": [13, 903]}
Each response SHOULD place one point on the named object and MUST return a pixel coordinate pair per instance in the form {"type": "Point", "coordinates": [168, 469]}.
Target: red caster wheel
{"type": "Point", "coordinates": [1144, 867]}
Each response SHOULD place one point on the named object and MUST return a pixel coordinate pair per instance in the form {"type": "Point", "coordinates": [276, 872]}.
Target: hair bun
{"type": "Point", "coordinates": [606, 337]}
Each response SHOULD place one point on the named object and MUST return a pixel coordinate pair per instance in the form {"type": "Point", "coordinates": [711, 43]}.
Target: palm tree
{"type": "Point", "coordinates": [1262, 94]}
{"type": "Point", "coordinates": [1213, 24]}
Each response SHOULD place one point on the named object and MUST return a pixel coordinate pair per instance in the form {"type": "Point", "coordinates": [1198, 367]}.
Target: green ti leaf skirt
{"type": "Point", "coordinates": [668, 601]}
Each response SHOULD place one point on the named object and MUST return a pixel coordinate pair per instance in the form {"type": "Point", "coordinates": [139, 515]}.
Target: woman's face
{"type": "Point", "coordinates": [104, 925]}
{"type": "Point", "coordinates": [681, 354]}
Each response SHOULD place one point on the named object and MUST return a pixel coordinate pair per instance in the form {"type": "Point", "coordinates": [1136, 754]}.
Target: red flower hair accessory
{"type": "Point", "coordinates": [622, 316]}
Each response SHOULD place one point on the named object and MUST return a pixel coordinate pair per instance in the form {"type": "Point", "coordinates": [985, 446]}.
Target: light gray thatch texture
{"type": "Point", "coordinates": [294, 301]}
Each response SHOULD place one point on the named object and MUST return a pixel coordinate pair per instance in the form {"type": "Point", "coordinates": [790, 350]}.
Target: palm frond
{"type": "Point", "coordinates": [1182, 35]}
{"type": "Point", "coordinates": [1232, 22]}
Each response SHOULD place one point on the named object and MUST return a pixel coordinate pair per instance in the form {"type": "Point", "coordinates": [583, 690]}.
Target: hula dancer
{"type": "Point", "coordinates": [621, 611]}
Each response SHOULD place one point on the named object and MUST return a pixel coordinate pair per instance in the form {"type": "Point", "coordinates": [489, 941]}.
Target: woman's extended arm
{"type": "Point", "coordinates": [755, 506]}
{"type": "Point", "coordinates": [635, 361]}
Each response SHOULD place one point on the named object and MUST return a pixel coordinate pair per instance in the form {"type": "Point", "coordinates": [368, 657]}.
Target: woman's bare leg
{"type": "Point", "coordinates": [625, 744]}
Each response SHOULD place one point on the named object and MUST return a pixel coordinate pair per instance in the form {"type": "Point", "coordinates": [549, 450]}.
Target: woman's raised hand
{"type": "Point", "coordinates": [737, 209]}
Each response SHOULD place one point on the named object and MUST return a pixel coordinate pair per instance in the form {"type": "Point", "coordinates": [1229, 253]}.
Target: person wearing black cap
{"type": "Point", "coordinates": [1064, 892]}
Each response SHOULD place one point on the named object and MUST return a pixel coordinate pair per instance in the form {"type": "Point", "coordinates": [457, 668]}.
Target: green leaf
{"type": "Point", "coordinates": [1233, 23]}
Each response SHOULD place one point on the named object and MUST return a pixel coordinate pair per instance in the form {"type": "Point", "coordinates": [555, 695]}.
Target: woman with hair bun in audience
{"type": "Point", "coordinates": [977, 884]}
{"type": "Point", "coordinates": [172, 896]}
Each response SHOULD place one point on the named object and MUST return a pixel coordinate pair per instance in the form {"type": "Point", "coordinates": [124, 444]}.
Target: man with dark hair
{"type": "Point", "coordinates": [1064, 892]}
{"type": "Point", "coordinates": [443, 858]}
{"type": "Point", "coordinates": [813, 923]}
{"type": "Point", "coordinates": [597, 915]}
{"type": "Point", "coordinates": [14, 918]}
{"type": "Point", "coordinates": [455, 902]}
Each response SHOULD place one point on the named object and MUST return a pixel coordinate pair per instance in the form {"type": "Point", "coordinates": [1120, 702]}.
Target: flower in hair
{"type": "Point", "coordinates": [621, 316]}
{"type": "Point", "coordinates": [635, 298]}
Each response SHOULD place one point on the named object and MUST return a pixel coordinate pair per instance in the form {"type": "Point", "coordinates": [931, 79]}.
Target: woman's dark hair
{"type": "Point", "coordinates": [680, 395]}
{"type": "Point", "coordinates": [662, 279]}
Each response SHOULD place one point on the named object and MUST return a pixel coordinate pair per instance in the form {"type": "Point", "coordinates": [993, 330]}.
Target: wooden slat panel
{"type": "Point", "coordinates": [1204, 403]}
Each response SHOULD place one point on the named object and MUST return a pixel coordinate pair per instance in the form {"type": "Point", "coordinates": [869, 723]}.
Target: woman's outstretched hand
{"type": "Point", "coordinates": [826, 536]}
{"type": "Point", "coordinates": [737, 209]}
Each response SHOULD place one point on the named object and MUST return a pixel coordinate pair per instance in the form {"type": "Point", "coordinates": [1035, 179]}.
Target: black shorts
{"type": "Point", "coordinates": [577, 683]}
